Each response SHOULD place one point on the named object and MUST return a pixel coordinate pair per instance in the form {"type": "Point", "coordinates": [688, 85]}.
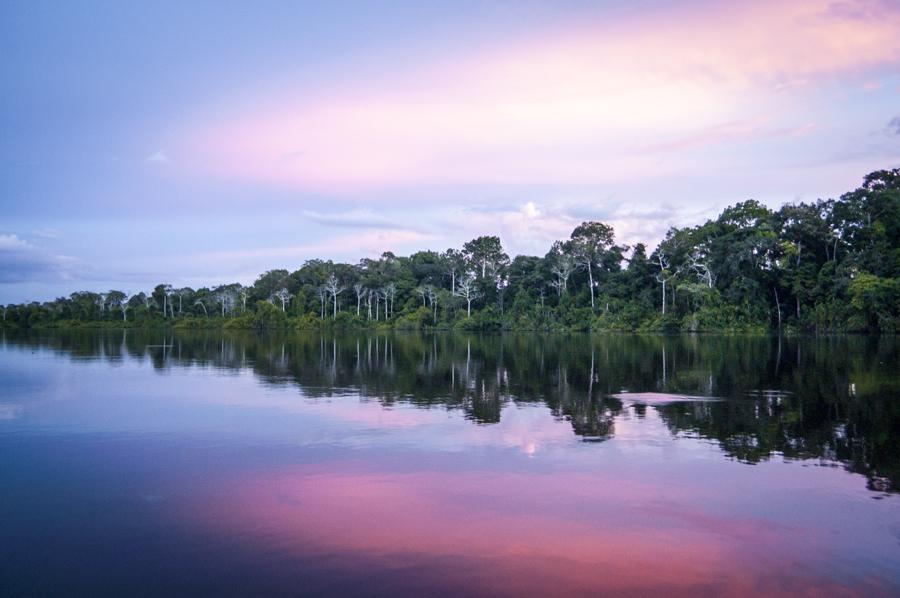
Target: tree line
{"type": "Point", "coordinates": [829, 265]}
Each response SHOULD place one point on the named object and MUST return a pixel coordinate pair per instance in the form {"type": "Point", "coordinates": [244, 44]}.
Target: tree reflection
{"type": "Point", "coordinates": [833, 398]}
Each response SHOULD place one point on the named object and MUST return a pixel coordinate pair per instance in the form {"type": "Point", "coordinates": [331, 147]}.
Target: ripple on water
{"type": "Point", "coordinates": [660, 398]}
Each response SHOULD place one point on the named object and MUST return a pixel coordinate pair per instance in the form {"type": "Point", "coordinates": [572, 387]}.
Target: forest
{"type": "Point", "coordinates": [827, 266]}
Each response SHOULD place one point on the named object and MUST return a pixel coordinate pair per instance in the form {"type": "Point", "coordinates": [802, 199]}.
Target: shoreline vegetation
{"type": "Point", "coordinates": [827, 266]}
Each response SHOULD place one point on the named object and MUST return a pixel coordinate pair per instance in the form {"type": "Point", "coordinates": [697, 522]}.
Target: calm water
{"type": "Point", "coordinates": [520, 465]}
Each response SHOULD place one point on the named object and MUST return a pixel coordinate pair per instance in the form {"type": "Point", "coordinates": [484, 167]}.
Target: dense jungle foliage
{"type": "Point", "coordinates": [832, 265]}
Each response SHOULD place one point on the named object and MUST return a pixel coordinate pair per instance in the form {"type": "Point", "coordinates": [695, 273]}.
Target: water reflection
{"type": "Point", "coordinates": [835, 399]}
{"type": "Point", "coordinates": [410, 465]}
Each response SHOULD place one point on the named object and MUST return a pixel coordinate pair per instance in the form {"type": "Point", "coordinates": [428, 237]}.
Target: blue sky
{"type": "Point", "coordinates": [198, 143]}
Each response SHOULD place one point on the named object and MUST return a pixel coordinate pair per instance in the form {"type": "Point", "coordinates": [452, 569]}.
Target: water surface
{"type": "Point", "coordinates": [161, 463]}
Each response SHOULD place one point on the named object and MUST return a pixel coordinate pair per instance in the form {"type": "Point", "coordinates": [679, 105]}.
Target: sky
{"type": "Point", "coordinates": [197, 143]}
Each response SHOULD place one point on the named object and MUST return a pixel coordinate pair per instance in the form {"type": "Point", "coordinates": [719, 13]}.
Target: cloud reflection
{"type": "Point", "coordinates": [522, 534]}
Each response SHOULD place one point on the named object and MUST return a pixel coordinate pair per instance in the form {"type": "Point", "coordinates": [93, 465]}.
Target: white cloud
{"type": "Point", "coordinates": [21, 261]}
{"type": "Point", "coordinates": [159, 157]}
{"type": "Point", "coordinates": [11, 241]}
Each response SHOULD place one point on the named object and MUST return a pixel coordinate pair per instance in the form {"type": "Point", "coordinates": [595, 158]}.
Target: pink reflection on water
{"type": "Point", "coordinates": [524, 534]}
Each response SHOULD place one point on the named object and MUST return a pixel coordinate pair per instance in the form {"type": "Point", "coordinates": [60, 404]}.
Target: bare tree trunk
{"type": "Point", "coordinates": [777, 306]}
{"type": "Point", "coordinates": [591, 378]}
{"type": "Point", "coordinates": [663, 296]}
{"type": "Point", "coordinates": [591, 283]}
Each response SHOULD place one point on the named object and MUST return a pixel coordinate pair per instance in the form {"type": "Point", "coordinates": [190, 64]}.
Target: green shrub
{"type": "Point", "coordinates": [416, 320]}
{"type": "Point", "coordinates": [268, 316]}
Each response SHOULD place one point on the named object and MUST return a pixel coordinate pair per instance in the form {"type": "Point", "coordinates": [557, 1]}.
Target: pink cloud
{"type": "Point", "coordinates": [574, 105]}
{"type": "Point", "coordinates": [736, 131]}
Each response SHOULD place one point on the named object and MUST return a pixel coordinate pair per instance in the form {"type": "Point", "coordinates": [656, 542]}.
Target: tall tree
{"type": "Point", "coordinates": [454, 263]}
{"type": "Point", "coordinates": [562, 264]}
{"type": "Point", "coordinates": [588, 244]}
{"type": "Point", "coordinates": [334, 288]}
{"type": "Point", "coordinates": [120, 300]}
{"type": "Point", "coordinates": [485, 254]}
{"type": "Point", "coordinates": [468, 290]}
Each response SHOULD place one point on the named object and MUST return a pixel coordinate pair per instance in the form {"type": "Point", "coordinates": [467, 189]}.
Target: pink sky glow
{"type": "Point", "coordinates": [588, 104]}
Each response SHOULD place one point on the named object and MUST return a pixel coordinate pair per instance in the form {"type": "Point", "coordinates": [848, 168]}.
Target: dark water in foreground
{"type": "Point", "coordinates": [409, 465]}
